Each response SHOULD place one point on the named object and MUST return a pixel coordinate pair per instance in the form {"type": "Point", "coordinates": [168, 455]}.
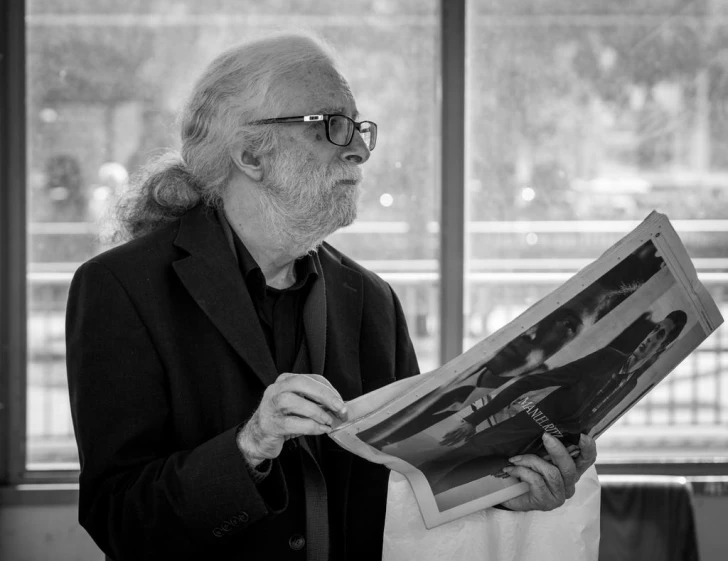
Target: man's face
{"type": "Point", "coordinates": [311, 185]}
{"type": "Point", "coordinates": [560, 330]}
{"type": "Point", "coordinates": [653, 341]}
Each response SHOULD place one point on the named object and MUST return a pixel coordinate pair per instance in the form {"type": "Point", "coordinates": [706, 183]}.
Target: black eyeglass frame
{"type": "Point", "coordinates": [325, 117]}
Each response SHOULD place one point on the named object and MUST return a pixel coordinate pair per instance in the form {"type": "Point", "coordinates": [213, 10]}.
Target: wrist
{"type": "Point", "coordinates": [245, 441]}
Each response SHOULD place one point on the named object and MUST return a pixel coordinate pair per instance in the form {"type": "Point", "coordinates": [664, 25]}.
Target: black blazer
{"type": "Point", "coordinates": [166, 359]}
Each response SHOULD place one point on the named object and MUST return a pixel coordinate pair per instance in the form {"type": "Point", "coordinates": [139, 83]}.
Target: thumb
{"type": "Point", "coordinates": [321, 380]}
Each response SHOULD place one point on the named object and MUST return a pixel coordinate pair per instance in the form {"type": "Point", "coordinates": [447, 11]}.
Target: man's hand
{"type": "Point", "coordinates": [294, 405]}
{"type": "Point", "coordinates": [550, 483]}
{"type": "Point", "coordinates": [463, 433]}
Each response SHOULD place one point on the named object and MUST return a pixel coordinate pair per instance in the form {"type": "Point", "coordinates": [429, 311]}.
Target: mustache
{"type": "Point", "coordinates": [348, 174]}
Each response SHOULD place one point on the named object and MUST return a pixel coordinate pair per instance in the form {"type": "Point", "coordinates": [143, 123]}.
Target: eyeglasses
{"type": "Point", "coordinates": [339, 128]}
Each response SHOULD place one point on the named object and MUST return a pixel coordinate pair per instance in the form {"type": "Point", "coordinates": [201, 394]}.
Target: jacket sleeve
{"type": "Point", "coordinates": [141, 498]}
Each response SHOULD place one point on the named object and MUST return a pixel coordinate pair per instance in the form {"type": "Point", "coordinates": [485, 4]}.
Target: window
{"type": "Point", "coordinates": [583, 117]}
{"type": "Point", "coordinates": [553, 128]}
{"type": "Point", "coordinates": [105, 80]}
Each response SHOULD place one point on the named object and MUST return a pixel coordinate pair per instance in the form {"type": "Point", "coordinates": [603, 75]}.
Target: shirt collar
{"type": "Point", "coordinates": [253, 275]}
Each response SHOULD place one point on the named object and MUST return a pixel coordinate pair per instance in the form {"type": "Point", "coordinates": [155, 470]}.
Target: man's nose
{"type": "Point", "coordinates": [357, 152]}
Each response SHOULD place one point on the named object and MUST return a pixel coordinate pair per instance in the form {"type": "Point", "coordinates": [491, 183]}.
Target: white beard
{"type": "Point", "coordinates": [304, 203]}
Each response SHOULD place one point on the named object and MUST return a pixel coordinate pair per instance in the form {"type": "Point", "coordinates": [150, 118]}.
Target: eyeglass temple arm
{"type": "Point", "coordinates": [299, 119]}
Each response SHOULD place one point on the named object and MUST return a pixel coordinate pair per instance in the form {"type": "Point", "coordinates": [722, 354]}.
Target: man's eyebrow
{"type": "Point", "coordinates": [338, 111]}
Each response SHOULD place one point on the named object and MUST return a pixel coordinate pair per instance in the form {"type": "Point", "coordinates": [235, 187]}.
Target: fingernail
{"type": "Point", "coordinates": [584, 439]}
{"type": "Point", "coordinates": [515, 459]}
{"type": "Point", "coordinates": [507, 469]}
{"type": "Point", "coordinates": [548, 437]}
{"type": "Point", "coordinates": [339, 404]}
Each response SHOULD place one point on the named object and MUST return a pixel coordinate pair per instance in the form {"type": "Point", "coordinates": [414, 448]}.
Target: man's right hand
{"type": "Point", "coordinates": [463, 433]}
{"type": "Point", "coordinates": [296, 404]}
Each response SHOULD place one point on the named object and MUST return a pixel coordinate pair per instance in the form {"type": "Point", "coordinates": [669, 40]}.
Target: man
{"type": "Point", "coordinates": [208, 356]}
{"type": "Point", "coordinates": [564, 402]}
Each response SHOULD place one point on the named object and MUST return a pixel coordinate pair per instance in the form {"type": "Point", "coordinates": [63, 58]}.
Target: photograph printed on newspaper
{"type": "Point", "coordinates": [573, 363]}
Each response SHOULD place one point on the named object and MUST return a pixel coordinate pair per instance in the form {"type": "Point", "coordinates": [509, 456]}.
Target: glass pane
{"type": "Point", "coordinates": [105, 80]}
{"type": "Point", "coordinates": [583, 117]}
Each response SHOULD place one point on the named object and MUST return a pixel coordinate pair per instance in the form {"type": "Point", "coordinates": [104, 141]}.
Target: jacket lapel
{"type": "Point", "coordinates": [314, 320]}
{"type": "Point", "coordinates": [213, 279]}
{"type": "Point", "coordinates": [344, 294]}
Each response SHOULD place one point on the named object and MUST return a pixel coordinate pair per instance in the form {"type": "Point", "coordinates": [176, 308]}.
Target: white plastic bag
{"type": "Point", "coordinates": [568, 533]}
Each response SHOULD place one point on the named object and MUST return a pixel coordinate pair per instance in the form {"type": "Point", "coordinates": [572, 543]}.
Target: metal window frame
{"type": "Point", "coordinates": [12, 244]}
{"type": "Point", "coordinates": [452, 188]}
{"type": "Point", "coordinates": [17, 484]}
{"type": "Point", "coordinates": [13, 262]}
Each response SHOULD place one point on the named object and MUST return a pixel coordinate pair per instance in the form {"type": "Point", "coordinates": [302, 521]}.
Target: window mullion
{"type": "Point", "coordinates": [452, 230]}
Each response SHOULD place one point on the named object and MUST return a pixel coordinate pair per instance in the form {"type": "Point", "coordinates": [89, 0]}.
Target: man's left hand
{"type": "Point", "coordinates": [550, 483]}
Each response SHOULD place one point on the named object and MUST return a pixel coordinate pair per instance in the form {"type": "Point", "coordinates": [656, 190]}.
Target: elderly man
{"type": "Point", "coordinates": [209, 355]}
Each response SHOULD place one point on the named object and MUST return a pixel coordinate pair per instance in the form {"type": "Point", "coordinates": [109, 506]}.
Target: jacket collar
{"type": "Point", "coordinates": [212, 277]}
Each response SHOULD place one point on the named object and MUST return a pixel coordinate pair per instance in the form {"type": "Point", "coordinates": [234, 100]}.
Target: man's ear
{"type": "Point", "coordinates": [249, 164]}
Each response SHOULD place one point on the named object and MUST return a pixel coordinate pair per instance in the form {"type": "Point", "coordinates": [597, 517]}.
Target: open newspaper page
{"type": "Point", "coordinates": [572, 363]}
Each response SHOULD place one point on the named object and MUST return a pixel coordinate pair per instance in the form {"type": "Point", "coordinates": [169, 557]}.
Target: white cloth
{"type": "Point", "coordinates": [569, 533]}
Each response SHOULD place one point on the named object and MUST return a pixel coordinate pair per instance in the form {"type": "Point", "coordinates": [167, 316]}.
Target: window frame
{"type": "Point", "coordinates": [12, 254]}
{"type": "Point", "coordinates": [20, 485]}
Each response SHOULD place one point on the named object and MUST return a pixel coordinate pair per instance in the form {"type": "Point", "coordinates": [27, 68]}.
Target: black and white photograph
{"type": "Point", "coordinates": [363, 280]}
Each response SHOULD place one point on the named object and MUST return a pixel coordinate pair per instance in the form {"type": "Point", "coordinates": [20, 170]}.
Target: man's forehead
{"type": "Point", "coordinates": [321, 90]}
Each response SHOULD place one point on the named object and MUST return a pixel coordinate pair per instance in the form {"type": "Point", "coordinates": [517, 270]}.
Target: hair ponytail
{"type": "Point", "coordinates": [166, 190]}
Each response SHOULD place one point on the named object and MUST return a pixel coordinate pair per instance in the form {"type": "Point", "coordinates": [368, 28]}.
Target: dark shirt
{"type": "Point", "coordinates": [280, 312]}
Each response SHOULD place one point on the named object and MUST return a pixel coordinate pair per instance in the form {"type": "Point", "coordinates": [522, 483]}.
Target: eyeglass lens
{"type": "Point", "coordinates": [341, 129]}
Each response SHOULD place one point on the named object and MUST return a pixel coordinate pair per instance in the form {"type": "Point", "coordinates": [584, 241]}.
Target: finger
{"type": "Point", "coordinates": [315, 391]}
{"type": "Point", "coordinates": [548, 472]}
{"type": "Point", "coordinates": [296, 426]}
{"type": "Point", "coordinates": [288, 404]}
{"type": "Point", "coordinates": [540, 494]}
{"type": "Point", "coordinates": [320, 379]}
{"type": "Point", "coordinates": [563, 461]}
{"type": "Point", "coordinates": [587, 455]}
{"type": "Point", "coordinates": [449, 440]}
{"type": "Point", "coordinates": [459, 435]}
{"type": "Point", "coordinates": [573, 452]}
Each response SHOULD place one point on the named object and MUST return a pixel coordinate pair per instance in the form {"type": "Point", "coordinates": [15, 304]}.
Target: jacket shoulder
{"type": "Point", "coordinates": [371, 279]}
{"type": "Point", "coordinates": [153, 248]}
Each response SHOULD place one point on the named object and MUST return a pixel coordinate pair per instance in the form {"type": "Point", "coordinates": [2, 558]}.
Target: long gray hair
{"type": "Point", "coordinates": [241, 85]}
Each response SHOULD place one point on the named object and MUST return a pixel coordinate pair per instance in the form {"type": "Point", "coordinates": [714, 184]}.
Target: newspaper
{"type": "Point", "coordinates": [572, 363]}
